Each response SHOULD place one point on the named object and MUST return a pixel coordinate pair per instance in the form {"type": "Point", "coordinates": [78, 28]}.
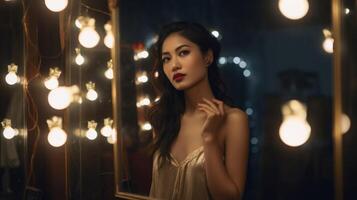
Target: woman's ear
{"type": "Point", "coordinates": [209, 57]}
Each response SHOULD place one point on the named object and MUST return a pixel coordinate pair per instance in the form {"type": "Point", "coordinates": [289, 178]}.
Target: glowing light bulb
{"type": "Point", "coordinates": [88, 37]}
{"type": "Point", "coordinates": [294, 9]}
{"type": "Point", "coordinates": [328, 42]}
{"type": "Point", "coordinates": [146, 127]}
{"type": "Point", "coordinates": [91, 133]}
{"type": "Point", "coordinates": [8, 131]}
{"type": "Point", "coordinates": [346, 123]}
{"type": "Point", "coordinates": [112, 138]}
{"type": "Point", "coordinates": [79, 58]}
{"type": "Point", "coordinates": [242, 64]}
{"type": "Point", "coordinates": [347, 11]}
{"type": "Point", "coordinates": [11, 78]}
{"type": "Point", "coordinates": [91, 95]}
{"type": "Point", "coordinates": [294, 131]}
{"type": "Point", "coordinates": [56, 5]}
{"type": "Point", "coordinates": [109, 37]}
{"type": "Point", "coordinates": [107, 129]}
{"type": "Point", "coordinates": [61, 97]}
{"type": "Point", "coordinates": [109, 72]}
{"type": "Point", "coordinates": [79, 22]}
{"type": "Point", "coordinates": [57, 136]}
{"type": "Point", "coordinates": [143, 102]}
{"type": "Point", "coordinates": [156, 74]}
{"type": "Point", "coordinates": [236, 60]}
{"type": "Point", "coordinates": [143, 78]}
{"type": "Point", "coordinates": [51, 82]}
{"type": "Point", "coordinates": [247, 73]}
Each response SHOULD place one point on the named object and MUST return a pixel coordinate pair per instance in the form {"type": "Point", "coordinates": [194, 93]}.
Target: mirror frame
{"type": "Point", "coordinates": [337, 107]}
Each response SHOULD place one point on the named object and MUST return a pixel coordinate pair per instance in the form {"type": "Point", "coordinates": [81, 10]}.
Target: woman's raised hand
{"type": "Point", "coordinates": [215, 116]}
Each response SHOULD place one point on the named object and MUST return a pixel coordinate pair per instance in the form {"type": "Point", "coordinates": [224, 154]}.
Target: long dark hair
{"type": "Point", "coordinates": [165, 114]}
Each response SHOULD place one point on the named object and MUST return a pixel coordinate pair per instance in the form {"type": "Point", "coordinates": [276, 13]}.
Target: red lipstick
{"type": "Point", "coordinates": [178, 76]}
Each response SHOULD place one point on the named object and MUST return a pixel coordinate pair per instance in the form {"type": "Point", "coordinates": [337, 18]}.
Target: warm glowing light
{"type": "Point", "coordinates": [294, 108]}
{"type": "Point", "coordinates": [156, 74]}
{"type": "Point", "coordinates": [112, 138]}
{"type": "Point", "coordinates": [79, 58]}
{"type": "Point", "coordinates": [51, 82]}
{"type": "Point", "coordinates": [141, 55]}
{"type": "Point", "coordinates": [328, 45]}
{"type": "Point", "coordinates": [79, 22]}
{"type": "Point", "coordinates": [109, 72]}
{"type": "Point", "coordinates": [143, 102]}
{"type": "Point", "coordinates": [11, 78]}
{"type": "Point", "coordinates": [346, 123]}
{"type": "Point", "coordinates": [157, 99]}
{"type": "Point", "coordinates": [107, 129]}
{"type": "Point", "coordinates": [109, 37]}
{"type": "Point", "coordinates": [56, 5]}
{"type": "Point", "coordinates": [91, 95]}
{"type": "Point", "coordinates": [294, 9]}
{"type": "Point", "coordinates": [294, 131]}
{"type": "Point", "coordinates": [8, 131]}
{"type": "Point", "coordinates": [57, 136]}
{"type": "Point", "coordinates": [143, 78]}
{"type": "Point", "coordinates": [88, 37]}
{"type": "Point", "coordinates": [61, 97]}
{"type": "Point", "coordinates": [146, 127]}
{"type": "Point", "coordinates": [347, 11]}
{"type": "Point", "coordinates": [91, 133]}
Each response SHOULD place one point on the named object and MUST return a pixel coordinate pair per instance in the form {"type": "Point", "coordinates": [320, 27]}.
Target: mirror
{"type": "Point", "coordinates": [276, 65]}
{"type": "Point", "coordinates": [13, 145]}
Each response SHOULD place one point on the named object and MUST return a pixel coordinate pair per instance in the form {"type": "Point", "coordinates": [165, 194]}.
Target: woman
{"type": "Point", "coordinates": [200, 143]}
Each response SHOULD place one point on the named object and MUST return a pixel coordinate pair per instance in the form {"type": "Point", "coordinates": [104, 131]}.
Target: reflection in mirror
{"type": "Point", "coordinates": [348, 93]}
{"type": "Point", "coordinates": [13, 131]}
{"type": "Point", "coordinates": [89, 66]}
{"type": "Point", "coordinates": [276, 62]}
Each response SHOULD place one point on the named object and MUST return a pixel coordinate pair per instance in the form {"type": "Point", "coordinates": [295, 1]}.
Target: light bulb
{"type": "Point", "coordinates": [112, 138]}
{"type": "Point", "coordinates": [109, 37]}
{"type": "Point", "coordinates": [143, 78]}
{"type": "Point", "coordinates": [79, 21]}
{"type": "Point", "coordinates": [57, 137]}
{"type": "Point", "coordinates": [11, 78]}
{"type": "Point", "coordinates": [328, 45]}
{"type": "Point", "coordinates": [79, 58]}
{"type": "Point", "coordinates": [91, 134]}
{"type": "Point", "coordinates": [91, 94]}
{"type": "Point", "coordinates": [88, 37]}
{"type": "Point", "coordinates": [294, 131]}
{"type": "Point", "coordinates": [215, 33]}
{"type": "Point", "coordinates": [346, 123]}
{"type": "Point", "coordinates": [294, 9]}
{"type": "Point", "coordinates": [107, 129]}
{"type": "Point", "coordinates": [51, 83]}
{"type": "Point", "coordinates": [61, 97]}
{"type": "Point", "coordinates": [109, 73]}
{"type": "Point", "coordinates": [9, 133]}
{"type": "Point", "coordinates": [56, 5]}
{"type": "Point", "coordinates": [147, 126]}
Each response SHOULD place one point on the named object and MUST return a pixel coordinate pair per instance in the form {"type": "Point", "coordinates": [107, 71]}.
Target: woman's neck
{"type": "Point", "coordinates": [196, 94]}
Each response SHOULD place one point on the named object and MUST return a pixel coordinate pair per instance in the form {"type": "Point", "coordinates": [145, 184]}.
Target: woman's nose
{"type": "Point", "coordinates": [175, 65]}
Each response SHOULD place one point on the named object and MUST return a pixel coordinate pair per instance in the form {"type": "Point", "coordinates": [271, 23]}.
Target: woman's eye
{"type": "Point", "coordinates": [165, 59]}
{"type": "Point", "coordinates": [184, 52]}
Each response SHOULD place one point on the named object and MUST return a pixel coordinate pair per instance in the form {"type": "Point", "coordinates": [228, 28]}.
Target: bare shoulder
{"type": "Point", "coordinates": [235, 114]}
{"type": "Point", "coordinates": [236, 119]}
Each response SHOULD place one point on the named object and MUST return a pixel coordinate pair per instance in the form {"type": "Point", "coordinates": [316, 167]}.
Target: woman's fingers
{"type": "Point", "coordinates": [211, 110]}
{"type": "Point", "coordinates": [220, 105]}
{"type": "Point", "coordinates": [212, 105]}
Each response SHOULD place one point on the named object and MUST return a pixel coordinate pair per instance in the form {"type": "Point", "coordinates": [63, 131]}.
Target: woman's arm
{"type": "Point", "coordinates": [226, 178]}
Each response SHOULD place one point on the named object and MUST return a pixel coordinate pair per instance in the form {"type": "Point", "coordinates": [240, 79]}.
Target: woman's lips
{"type": "Point", "coordinates": [179, 77]}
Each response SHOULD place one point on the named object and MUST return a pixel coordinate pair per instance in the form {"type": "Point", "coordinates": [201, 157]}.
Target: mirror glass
{"type": "Point", "coordinates": [13, 133]}
{"type": "Point", "coordinates": [276, 62]}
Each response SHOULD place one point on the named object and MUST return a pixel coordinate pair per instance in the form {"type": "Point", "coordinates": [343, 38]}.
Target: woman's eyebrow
{"type": "Point", "coordinates": [177, 49]}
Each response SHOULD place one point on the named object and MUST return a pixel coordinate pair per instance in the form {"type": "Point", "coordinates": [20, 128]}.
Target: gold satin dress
{"type": "Point", "coordinates": [180, 181]}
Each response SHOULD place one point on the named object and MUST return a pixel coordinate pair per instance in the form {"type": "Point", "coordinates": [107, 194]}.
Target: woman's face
{"type": "Point", "coordinates": [183, 62]}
